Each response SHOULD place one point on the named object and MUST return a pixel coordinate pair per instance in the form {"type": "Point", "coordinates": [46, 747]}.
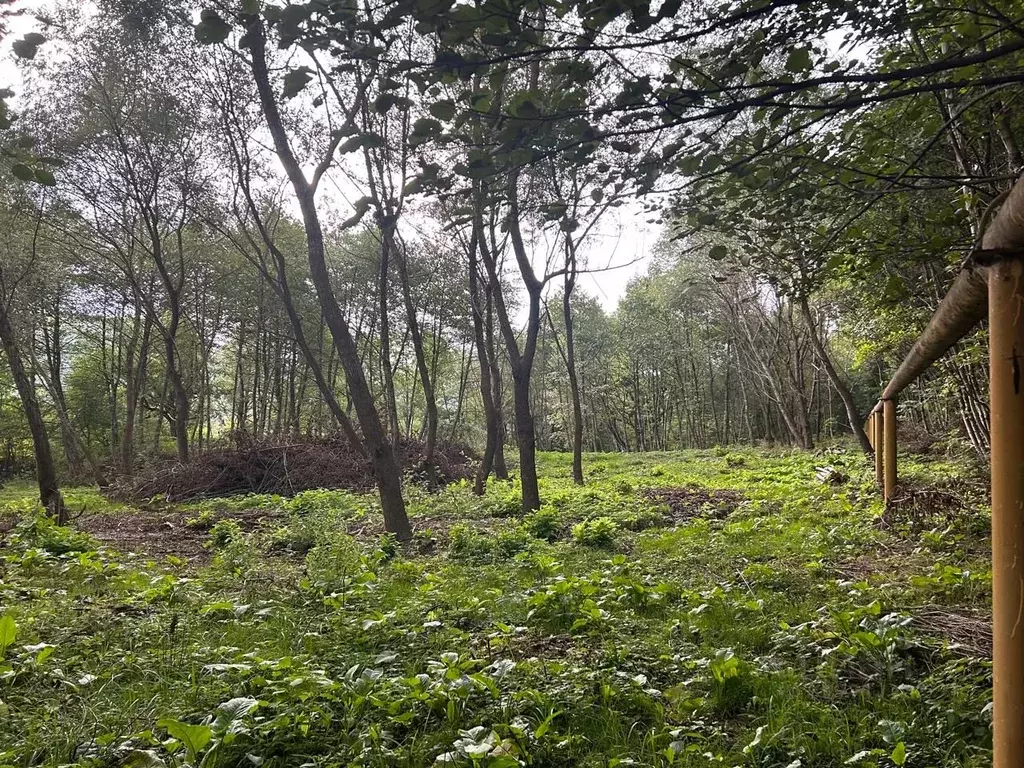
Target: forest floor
{"type": "Point", "coordinates": [738, 607]}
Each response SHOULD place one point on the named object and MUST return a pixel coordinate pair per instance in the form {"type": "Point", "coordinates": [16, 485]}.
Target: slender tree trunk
{"type": "Point", "coordinates": [570, 367]}
{"type": "Point", "coordinates": [387, 374]}
{"type": "Point", "coordinates": [486, 385]}
{"type": "Point", "coordinates": [426, 379]}
{"type": "Point", "coordinates": [135, 380]}
{"type": "Point", "coordinates": [382, 456]}
{"type": "Point", "coordinates": [837, 381]}
{"type": "Point", "coordinates": [46, 471]}
{"type": "Point", "coordinates": [497, 391]}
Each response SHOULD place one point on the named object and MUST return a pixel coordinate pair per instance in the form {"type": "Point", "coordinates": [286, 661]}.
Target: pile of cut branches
{"type": "Point", "coordinates": [285, 468]}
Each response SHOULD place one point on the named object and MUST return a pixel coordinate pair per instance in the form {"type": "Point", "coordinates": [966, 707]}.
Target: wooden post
{"type": "Point", "coordinates": [1006, 356]}
{"type": "Point", "coordinates": [879, 442]}
{"type": "Point", "coordinates": [889, 446]}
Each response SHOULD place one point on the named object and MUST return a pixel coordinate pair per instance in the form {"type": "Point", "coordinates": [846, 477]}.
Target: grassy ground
{"type": "Point", "coordinates": [754, 615]}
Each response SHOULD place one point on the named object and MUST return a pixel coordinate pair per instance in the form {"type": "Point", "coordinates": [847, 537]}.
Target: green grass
{"type": "Point", "coordinates": [597, 632]}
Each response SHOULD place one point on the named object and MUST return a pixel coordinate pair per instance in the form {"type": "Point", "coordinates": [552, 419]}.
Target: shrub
{"type": "Point", "coordinates": [598, 532]}
{"type": "Point", "coordinates": [512, 541]}
{"type": "Point", "coordinates": [320, 501]}
{"type": "Point", "coordinates": [40, 531]}
{"type": "Point", "coordinates": [466, 543]}
{"type": "Point", "coordinates": [545, 523]}
{"type": "Point", "coordinates": [335, 561]}
{"type": "Point", "coordinates": [224, 532]}
{"type": "Point", "coordinates": [387, 546]}
{"type": "Point", "coordinates": [297, 537]}
{"type": "Point", "coordinates": [507, 504]}
{"type": "Point", "coordinates": [731, 682]}
{"type": "Point", "coordinates": [644, 518]}
{"type": "Point", "coordinates": [204, 521]}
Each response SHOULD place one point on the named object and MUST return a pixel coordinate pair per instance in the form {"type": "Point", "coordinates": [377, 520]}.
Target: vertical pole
{"type": "Point", "coordinates": [889, 432]}
{"type": "Point", "coordinates": [1006, 355]}
{"type": "Point", "coordinates": [879, 454]}
{"type": "Point", "coordinates": [869, 429]}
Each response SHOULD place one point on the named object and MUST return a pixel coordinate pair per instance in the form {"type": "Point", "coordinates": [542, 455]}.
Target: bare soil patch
{"type": "Point", "coordinates": [159, 533]}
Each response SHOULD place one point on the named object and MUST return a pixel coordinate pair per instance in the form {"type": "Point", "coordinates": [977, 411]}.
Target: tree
{"type": "Point", "coordinates": [18, 262]}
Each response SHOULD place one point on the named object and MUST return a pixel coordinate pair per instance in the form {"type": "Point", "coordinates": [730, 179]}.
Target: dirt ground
{"type": "Point", "coordinates": [161, 533]}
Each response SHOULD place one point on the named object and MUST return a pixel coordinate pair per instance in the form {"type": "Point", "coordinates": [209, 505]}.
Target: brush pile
{"type": "Point", "coordinates": [285, 468]}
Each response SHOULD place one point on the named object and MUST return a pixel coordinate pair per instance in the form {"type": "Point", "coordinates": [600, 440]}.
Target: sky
{"type": "Point", "coordinates": [617, 250]}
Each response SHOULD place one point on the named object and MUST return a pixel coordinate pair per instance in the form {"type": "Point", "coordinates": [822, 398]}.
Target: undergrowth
{"type": "Point", "coordinates": [783, 630]}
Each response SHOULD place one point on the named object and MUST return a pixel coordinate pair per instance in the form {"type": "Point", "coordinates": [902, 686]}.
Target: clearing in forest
{"type": "Point", "coordinates": [688, 609]}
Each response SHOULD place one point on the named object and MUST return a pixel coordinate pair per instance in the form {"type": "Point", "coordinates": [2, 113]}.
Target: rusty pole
{"type": "Point", "coordinates": [1006, 357]}
{"type": "Point", "coordinates": [889, 445]}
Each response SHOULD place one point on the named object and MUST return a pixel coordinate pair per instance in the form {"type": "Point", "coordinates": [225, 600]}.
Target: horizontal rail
{"type": "Point", "coordinates": [966, 303]}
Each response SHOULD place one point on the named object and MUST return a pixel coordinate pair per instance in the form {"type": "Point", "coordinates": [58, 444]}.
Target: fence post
{"type": "Point", "coordinates": [879, 443]}
{"type": "Point", "coordinates": [889, 418]}
{"type": "Point", "coordinates": [1006, 356]}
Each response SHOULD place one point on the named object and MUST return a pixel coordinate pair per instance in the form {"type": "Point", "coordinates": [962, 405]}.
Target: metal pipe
{"type": "Point", "coordinates": [1006, 355]}
{"type": "Point", "coordinates": [889, 446]}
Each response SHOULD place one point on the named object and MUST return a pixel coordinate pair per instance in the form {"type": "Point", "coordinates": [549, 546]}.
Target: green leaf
{"type": "Point", "coordinates": [350, 144]}
{"type": "Point", "coordinates": [384, 102]}
{"type": "Point", "coordinates": [362, 205]}
{"type": "Point", "coordinates": [212, 28]}
{"type": "Point", "coordinates": [8, 631]}
{"type": "Point", "coordinates": [143, 758]}
{"type": "Point", "coordinates": [799, 60]}
{"type": "Point", "coordinates": [295, 81]}
{"type": "Point", "coordinates": [23, 172]}
{"type": "Point", "coordinates": [251, 7]}
{"type": "Point", "coordinates": [26, 47]}
{"type": "Point", "coordinates": [424, 126]}
{"type": "Point", "coordinates": [231, 713]}
{"type": "Point", "coordinates": [45, 177]}
{"type": "Point", "coordinates": [718, 252]}
{"type": "Point", "coordinates": [443, 110]}
{"type": "Point", "coordinates": [756, 742]}
{"type": "Point", "coordinates": [899, 754]}
{"type": "Point", "coordinates": [193, 737]}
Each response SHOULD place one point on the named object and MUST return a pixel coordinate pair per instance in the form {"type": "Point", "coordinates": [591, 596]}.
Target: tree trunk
{"type": "Point", "coordinates": [135, 379]}
{"type": "Point", "coordinates": [486, 385]}
{"type": "Point", "coordinates": [570, 367]}
{"type": "Point", "coordinates": [526, 440]}
{"type": "Point", "coordinates": [426, 379]}
{"type": "Point", "coordinates": [833, 376]}
{"type": "Point", "coordinates": [382, 456]}
{"type": "Point", "coordinates": [497, 392]}
{"type": "Point", "coordinates": [46, 472]}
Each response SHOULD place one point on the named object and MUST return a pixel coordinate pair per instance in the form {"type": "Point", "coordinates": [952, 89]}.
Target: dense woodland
{"type": "Point", "coordinates": [248, 222]}
{"type": "Point", "coordinates": [482, 383]}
